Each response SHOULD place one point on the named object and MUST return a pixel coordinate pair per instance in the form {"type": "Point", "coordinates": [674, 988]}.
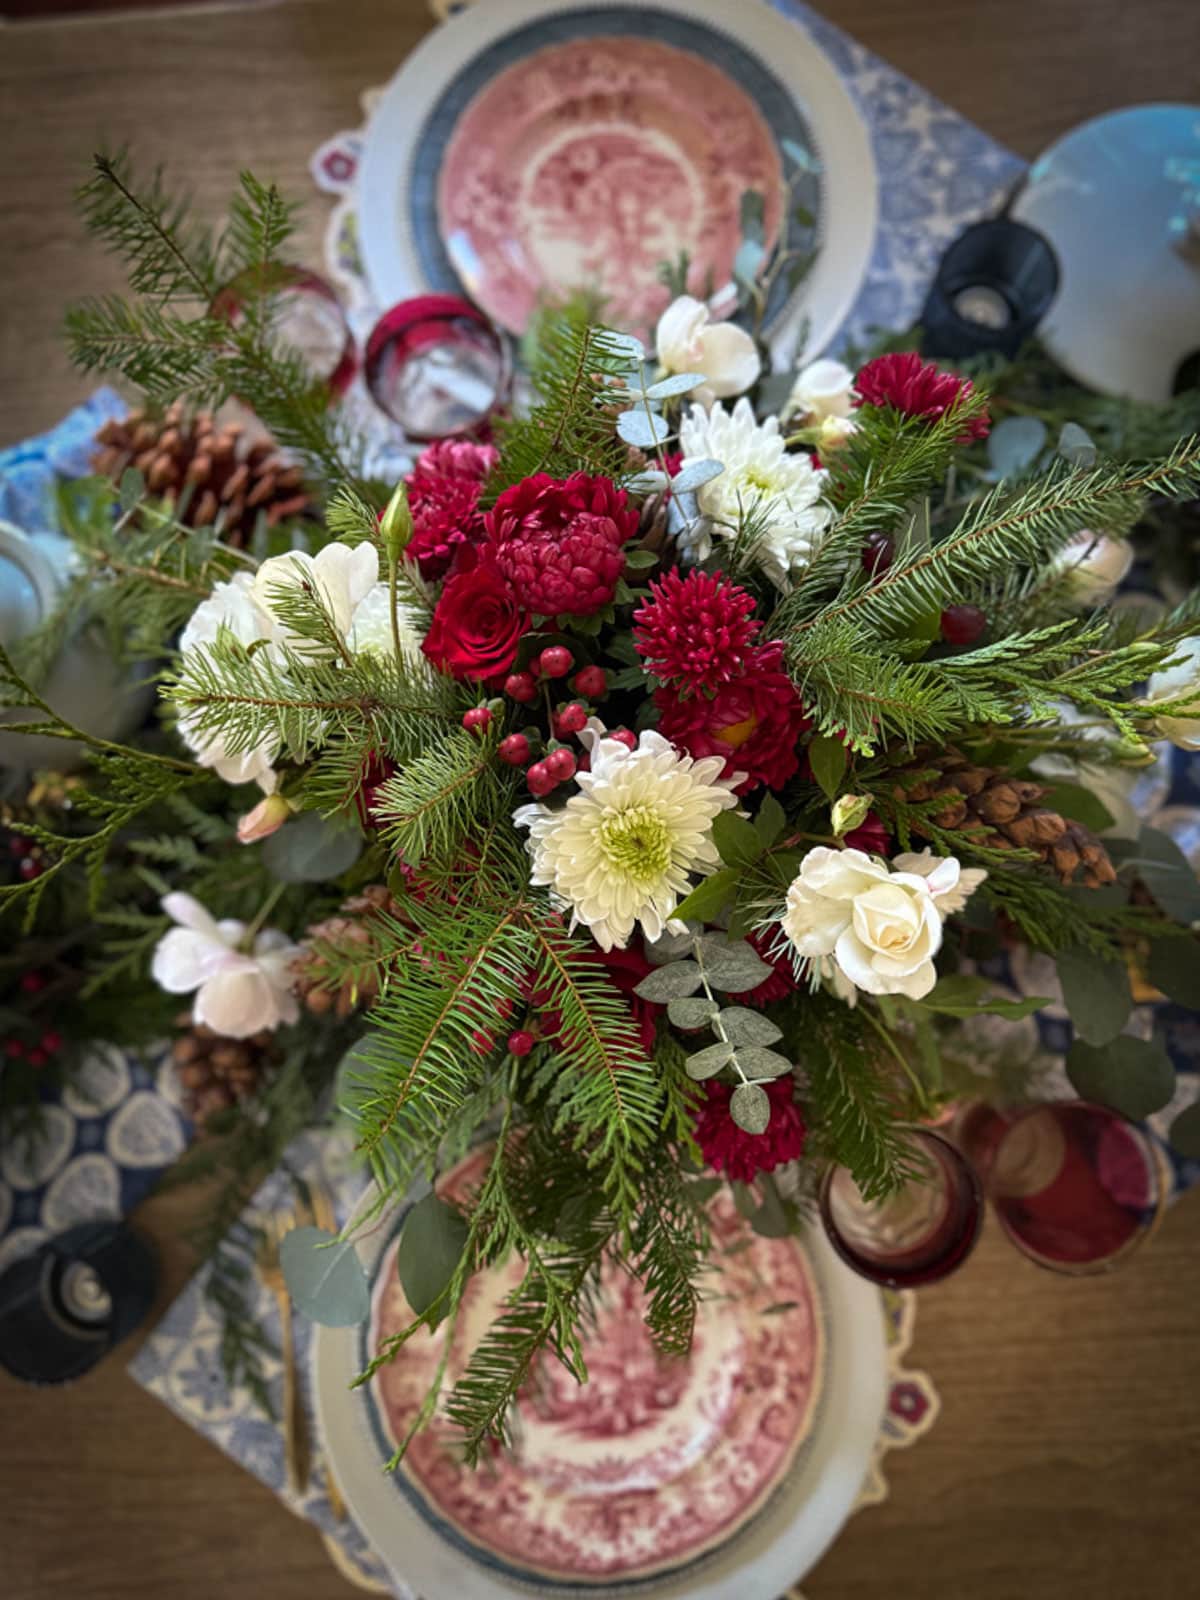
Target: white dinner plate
{"type": "Point", "coordinates": [397, 261]}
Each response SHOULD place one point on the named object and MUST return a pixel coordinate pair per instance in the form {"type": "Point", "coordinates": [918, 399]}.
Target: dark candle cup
{"type": "Point", "coordinates": [436, 366]}
{"type": "Point", "coordinates": [1075, 1186]}
{"type": "Point", "coordinates": [918, 1235]}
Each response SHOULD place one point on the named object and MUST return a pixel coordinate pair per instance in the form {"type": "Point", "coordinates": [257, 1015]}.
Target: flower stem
{"type": "Point", "coordinates": [246, 942]}
{"type": "Point", "coordinates": [393, 609]}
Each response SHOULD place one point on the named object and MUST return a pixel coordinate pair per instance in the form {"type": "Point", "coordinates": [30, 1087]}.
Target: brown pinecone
{"type": "Point", "coordinates": [231, 479]}
{"type": "Point", "coordinates": [217, 1072]}
{"type": "Point", "coordinates": [350, 932]}
{"type": "Point", "coordinates": [1005, 813]}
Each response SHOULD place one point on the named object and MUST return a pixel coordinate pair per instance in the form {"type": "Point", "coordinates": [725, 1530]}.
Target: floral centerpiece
{"type": "Point", "coordinates": [641, 788]}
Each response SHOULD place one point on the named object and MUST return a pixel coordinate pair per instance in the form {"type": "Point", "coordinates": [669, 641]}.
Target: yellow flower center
{"type": "Point", "coordinates": [757, 478]}
{"type": "Point", "coordinates": [636, 843]}
{"type": "Point", "coordinates": [736, 734]}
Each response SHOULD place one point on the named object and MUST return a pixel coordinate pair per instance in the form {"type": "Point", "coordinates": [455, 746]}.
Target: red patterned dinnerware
{"type": "Point", "coordinates": [307, 315]}
{"type": "Point", "coordinates": [589, 164]}
{"type": "Point", "coordinates": [437, 366]}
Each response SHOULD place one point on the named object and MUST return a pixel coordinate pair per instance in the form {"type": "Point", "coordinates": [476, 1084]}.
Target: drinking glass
{"type": "Point", "coordinates": [437, 366]}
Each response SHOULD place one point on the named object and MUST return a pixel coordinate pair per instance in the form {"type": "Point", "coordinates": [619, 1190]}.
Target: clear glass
{"type": "Point", "coordinates": [918, 1235]}
{"type": "Point", "coordinates": [436, 367]}
{"type": "Point", "coordinates": [1075, 1186]}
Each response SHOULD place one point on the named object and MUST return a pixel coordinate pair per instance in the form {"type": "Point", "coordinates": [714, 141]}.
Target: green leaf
{"type": "Point", "coordinates": [1096, 993]}
{"type": "Point", "coordinates": [743, 1200]}
{"type": "Point", "coordinates": [1075, 446]}
{"type": "Point", "coordinates": [756, 1062]}
{"type": "Point", "coordinates": [770, 821]}
{"type": "Point", "coordinates": [133, 487]}
{"type": "Point", "coordinates": [827, 756]}
{"type": "Point", "coordinates": [736, 839]}
{"type": "Point", "coordinates": [639, 560]}
{"type": "Point", "coordinates": [677, 383]}
{"type": "Point", "coordinates": [1185, 1132]}
{"type": "Point", "coordinates": [1174, 967]}
{"type": "Point", "coordinates": [752, 211]}
{"type": "Point", "coordinates": [732, 965]}
{"type": "Point", "coordinates": [750, 1108]}
{"type": "Point", "coordinates": [1080, 804]}
{"type": "Point", "coordinates": [311, 849]}
{"type": "Point", "coordinates": [1166, 872]}
{"type": "Point", "coordinates": [431, 1246]}
{"type": "Point", "coordinates": [1131, 1075]}
{"type": "Point", "coordinates": [962, 996]}
{"type": "Point", "coordinates": [324, 1277]}
{"type": "Point", "coordinates": [709, 898]}
{"type": "Point", "coordinates": [743, 1026]}
{"type": "Point", "coordinates": [672, 982]}
{"type": "Point", "coordinates": [692, 1014]}
{"type": "Point", "coordinates": [771, 1221]}
{"type": "Point", "coordinates": [706, 1063]}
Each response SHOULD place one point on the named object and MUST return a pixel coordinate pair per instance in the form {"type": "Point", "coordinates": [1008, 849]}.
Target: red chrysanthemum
{"type": "Point", "coordinates": [443, 496]}
{"type": "Point", "coordinates": [782, 981]}
{"type": "Point", "coordinates": [753, 721]}
{"type": "Point", "coordinates": [558, 541]}
{"type": "Point", "coordinates": [695, 632]}
{"type": "Point", "coordinates": [741, 1155]}
{"type": "Point", "coordinates": [918, 388]}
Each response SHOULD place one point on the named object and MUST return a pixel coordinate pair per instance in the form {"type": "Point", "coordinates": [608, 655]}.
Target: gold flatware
{"type": "Point", "coordinates": [321, 1206]}
{"type": "Point", "coordinates": [271, 1273]}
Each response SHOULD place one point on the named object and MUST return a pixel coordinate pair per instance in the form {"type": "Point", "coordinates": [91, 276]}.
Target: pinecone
{"type": "Point", "coordinates": [1005, 813]}
{"type": "Point", "coordinates": [230, 478]}
{"type": "Point", "coordinates": [350, 931]}
{"type": "Point", "coordinates": [217, 1072]}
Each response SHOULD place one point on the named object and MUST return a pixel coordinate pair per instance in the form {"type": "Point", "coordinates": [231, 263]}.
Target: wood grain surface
{"type": "Point", "coordinates": [1066, 1462]}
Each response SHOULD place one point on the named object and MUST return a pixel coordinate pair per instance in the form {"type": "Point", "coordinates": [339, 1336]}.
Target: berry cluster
{"type": "Point", "coordinates": [48, 1043]}
{"type": "Point", "coordinates": [29, 856]}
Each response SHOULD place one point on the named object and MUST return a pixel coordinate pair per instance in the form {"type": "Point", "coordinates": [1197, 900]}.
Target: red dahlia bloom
{"type": "Point", "coordinates": [871, 836]}
{"type": "Point", "coordinates": [558, 541]}
{"type": "Point", "coordinates": [917, 388]}
{"type": "Point", "coordinates": [695, 631]}
{"type": "Point", "coordinates": [753, 721]}
{"type": "Point", "coordinates": [741, 1155]}
{"type": "Point", "coordinates": [443, 496]}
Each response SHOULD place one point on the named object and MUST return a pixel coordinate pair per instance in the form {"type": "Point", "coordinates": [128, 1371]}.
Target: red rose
{"type": "Point", "coordinates": [476, 625]}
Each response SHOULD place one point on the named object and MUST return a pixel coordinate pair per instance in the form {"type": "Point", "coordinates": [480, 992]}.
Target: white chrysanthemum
{"type": "Point", "coordinates": [621, 850]}
{"type": "Point", "coordinates": [371, 630]}
{"type": "Point", "coordinates": [782, 488]}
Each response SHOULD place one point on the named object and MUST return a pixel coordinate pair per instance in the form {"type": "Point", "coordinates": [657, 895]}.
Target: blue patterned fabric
{"type": "Point", "coordinates": [30, 472]}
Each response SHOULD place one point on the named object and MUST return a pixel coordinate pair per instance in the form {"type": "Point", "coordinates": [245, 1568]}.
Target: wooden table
{"type": "Point", "coordinates": [1066, 1462]}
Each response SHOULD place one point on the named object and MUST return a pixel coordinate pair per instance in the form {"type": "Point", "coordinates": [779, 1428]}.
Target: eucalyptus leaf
{"type": "Point", "coordinates": [750, 1108]}
{"type": "Point", "coordinates": [701, 1190]}
{"type": "Point", "coordinates": [743, 1026]}
{"type": "Point", "coordinates": [710, 897]}
{"type": "Point", "coordinates": [708, 1062]}
{"type": "Point", "coordinates": [827, 756]}
{"type": "Point", "coordinates": [639, 560]}
{"type": "Point", "coordinates": [673, 982]}
{"type": "Point", "coordinates": [756, 1062]}
{"type": "Point", "coordinates": [695, 474]}
{"type": "Point", "coordinates": [736, 839]}
{"type": "Point", "coordinates": [642, 429]}
{"type": "Point", "coordinates": [1166, 872]}
{"type": "Point", "coordinates": [1078, 803]}
{"type": "Point", "coordinates": [771, 1221]}
{"type": "Point", "coordinates": [311, 849]}
{"type": "Point", "coordinates": [647, 482]}
{"type": "Point", "coordinates": [748, 260]}
{"type": "Point", "coordinates": [733, 967]}
{"type": "Point", "coordinates": [744, 1201]}
{"type": "Point", "coordinates": [692, 1014]}
{"type": "Point", "coordinates": [961, 995]}
{"type": "Point", "coordinates": [133, 487]}
{"type": "Point", "coordinates": [431, 1246]}
{"type": "Point", "coordinates": [1133, 1076]}
{"type": "Point", "coordinates": [670, 946]}
{"type": "Point", "coordinates": [677, 383]}
{"type": "Point", "coordinates": [624, 344]}
{"type": "Point", "coordinates": [1096, 993]}
{"type": "Point", "coordinates": [1014, 444]}
{"type": "Point", "coordinates": [1075, 446]}
{"type": "Point", "coordinates": [1184, 1135]}
{"type": "Point", "coordinates": [1174, 967]}
{"type": "Point", "coordinates": [752, 211]}
{"type": "Point", "coordinates": [324, 1277]}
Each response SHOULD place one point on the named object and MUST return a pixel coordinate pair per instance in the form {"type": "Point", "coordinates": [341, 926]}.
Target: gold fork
{"type": "Point", "coordinates": [271, 1273]}
{"type": "Point", "coordinates": [321, 1207]}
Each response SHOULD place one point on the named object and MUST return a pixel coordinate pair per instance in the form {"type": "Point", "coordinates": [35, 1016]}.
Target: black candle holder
{"type": "Point", "coordinates": [993, 286]}
{"type": "Point", "coordinates": [65, 1306]}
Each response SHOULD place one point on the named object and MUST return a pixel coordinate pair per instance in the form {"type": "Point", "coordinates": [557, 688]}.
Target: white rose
{"type": "Point", "coordinates": [238, 993]}
{"type": "Point", "coordinates": [950, 883]}
{"type": "Point", "coordinates": [340, 576]}
{"type": "Point", "coordinates": [231, 606]}
{"type": "Point", "coordinates": [822, 389]}
{"type": "Point", "coordinates": [371, 632]}
{"type": "Point", "coordinates": [688, 340]}
{"type": "Point", "coordinates": [1173, 683]}
{"type": "Point", "coordinates": [881, 928]}
{"type": "Point", "coordinates": [1096, 565]}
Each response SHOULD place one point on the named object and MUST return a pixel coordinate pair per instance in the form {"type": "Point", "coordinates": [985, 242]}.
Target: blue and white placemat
{"type": "Point", "coordinates": [31, 471]}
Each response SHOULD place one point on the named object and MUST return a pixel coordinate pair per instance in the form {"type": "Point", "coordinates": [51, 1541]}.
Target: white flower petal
{"type": "Point", "coordinates": [183, 960]}
{"type": "Point", "coordinates": [729, 359]}
{"type": "Point", "coordinates": [237, 1002]}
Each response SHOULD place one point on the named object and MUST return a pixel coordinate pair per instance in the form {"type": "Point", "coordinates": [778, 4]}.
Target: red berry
{"type": "Point", "coordinates": [963, 624]}
{"type": "Point", "coordinates": [17, 845]}
{"type": "Point", "coordinates": [482, 1043]}
{"type": "Point", "coordinates": [590, 682]}
{"type": "Point", "coordinates": [514, 749]}
{"type": "Point", "coordinates": [539, 779]}
{"type": "Point", "coordinates": [477, 719]}
{"type": "Point", "coordinates": [521, 686]}
{"type": "Point", "coordinates": [521, 1042]}
{"type": "Point", "coordinates": [14, 1049]}
{"type": "Point", "coordinates": [623, 736]}
{"type": "Point", "coordinates": [560, 764]}
{"type": "Point", "coordinates": [51, 1042]}
{"type": "Point", "coordinates": [555, 662]}
{"type": "Point", "coordinates": [571, 719]}
{"type": "Point", "coordinates": [878, 553]}
{"type": "Point", "coordinates": [38, 1058]}
{"type": "Point", "coordinates": [33, 982]}
{"type": "Point", "coordinates": [30, 869]}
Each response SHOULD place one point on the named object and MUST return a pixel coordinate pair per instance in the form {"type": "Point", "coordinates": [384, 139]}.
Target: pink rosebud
{"type": "Point", "coordinates": [267, 816]}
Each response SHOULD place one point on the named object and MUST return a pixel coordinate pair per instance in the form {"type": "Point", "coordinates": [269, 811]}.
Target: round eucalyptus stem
{"type": "Point", "coordinates": [717, 1025]}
